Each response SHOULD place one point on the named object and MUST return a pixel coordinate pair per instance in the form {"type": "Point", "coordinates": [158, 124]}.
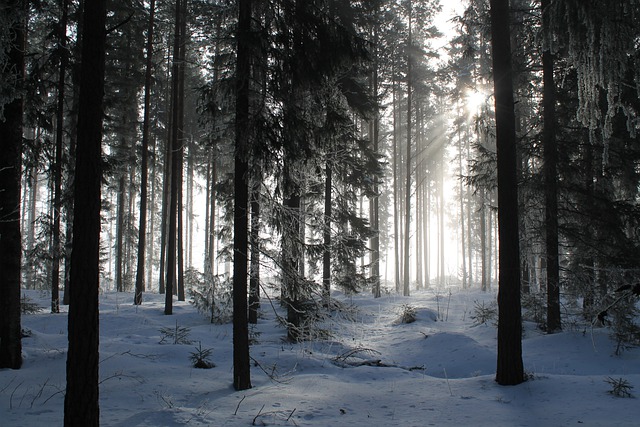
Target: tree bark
{"type": "Point", "coordinates": [254, 270]}
{"type": "Point", "coordinates": [142, 229]}
{"type": "Point", "coordinates": [10, 183]}
{"type": "Point", "coordinates": [57, 170]}
{"type": "Point", "coordinates": [172, 231]}
{"type": "Point", "coordinates": [510, 370]}
{"type": "Point", "coordinates": [551, 182]}
{"type": "Point", "coordinates": [407, 195]}
{"type": "Point", "coordinates": [241, 359]}
{"type": "Point", "coordinates": [81, 403]}
{"type": "Point", "coordinates": [326, 256]}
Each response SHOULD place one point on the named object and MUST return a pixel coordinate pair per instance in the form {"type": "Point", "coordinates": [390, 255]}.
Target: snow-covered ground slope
{"type": "Point", "coordinates": [372, 371]}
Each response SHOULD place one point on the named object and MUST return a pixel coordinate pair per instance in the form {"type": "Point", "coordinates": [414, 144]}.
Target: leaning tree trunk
{"type": "Point", "coordinates": [510, 370]}
{"type": "Point", "coordinates": [81, 403]}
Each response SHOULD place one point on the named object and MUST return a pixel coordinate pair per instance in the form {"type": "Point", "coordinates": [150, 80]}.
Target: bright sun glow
{"type": "Point", "coordinates": [475, 100]}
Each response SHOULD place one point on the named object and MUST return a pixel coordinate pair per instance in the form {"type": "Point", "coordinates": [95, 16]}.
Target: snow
{"type": "Point", "coordinates": [372, 371]}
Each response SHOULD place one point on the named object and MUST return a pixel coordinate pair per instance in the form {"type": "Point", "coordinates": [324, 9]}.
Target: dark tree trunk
{"type": "Point", "coordinates": [241, 360]}
{"type": "Point", "coordinates": [120, 226]}
{"type": "Point", "coordinates": [396, 194]}
{"type": "Point", "coordinates": [142, 229]}
{"type": "Point", "coordinates": [180, 149]}
{"type": "Point", "coordinates": [254, 270]}
{"type": "Point", "coordinates": [57, 170]}
{"type": "Point", "coordinates": [10, 182]}
{"type": "Point", "coordinates": [510, 369]}
{"type": "Point", "coordinates": [551, 183]}
{"type": "Point", "coordinates": [81, 404]}
{"type": "Point", "coordinates": [326, 256]}
{"type": "Point", "coordinates": [176, 132]}
{"type": "Point", "coordinates": [407, 195]}
{"type": "Point", "coordinates": [375, 205]}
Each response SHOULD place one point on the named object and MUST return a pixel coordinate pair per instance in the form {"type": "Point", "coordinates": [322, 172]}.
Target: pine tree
{"type": "Point", "coordinates": [551, 185]}
{"type": "Point", "coordinates": [142, 230]}
{"type": "Point", "coordinates": [241, 367]}
{"type": "Point", "coordinates": [510, 370]}
{"type": "Point", "coordinates": [81, 403]}
{"type": "Point", "coordinates": [11, 121]}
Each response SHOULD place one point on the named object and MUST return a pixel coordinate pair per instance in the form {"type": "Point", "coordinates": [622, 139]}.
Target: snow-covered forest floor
{"type": "Point", "coordinates": [371, 371]}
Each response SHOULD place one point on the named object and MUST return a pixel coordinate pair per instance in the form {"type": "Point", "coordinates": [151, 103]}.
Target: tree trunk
{"type": "Point", "coordinates": [119, 262]}
{"type": "Point", "coordinates": [10, 181]}
{"type": "Point", "coordinates": [551, 184]}
{"type": "Point", "coordinates": [254, 273]}
{"type": "Point", "coordinates": [241, 359]}
{"type": "Point", "coordinates": [57, 170]}
{"type": "Point", "coordinates": [396, 199]}
{"type": "Point", "coordinates": [142, 229]}
{"type": "Point", "coordinates": [326, 256]}
{"type": "Point", "coordinates": [510, 370]}
{"type": "Point", "coordinates": [483, 240]}
{"type": "Point", "coordinates": [81, 403]}
{"type": "Point", "coordinates": [407, 195]}
{"type": "Point", "coordinates": [176, 134]}
{"type": "Point", "coordinates": [463, 250]}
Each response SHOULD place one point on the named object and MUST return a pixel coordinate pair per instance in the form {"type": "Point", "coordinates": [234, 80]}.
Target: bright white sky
{"type": "Point", "coordinates": [450, 8]}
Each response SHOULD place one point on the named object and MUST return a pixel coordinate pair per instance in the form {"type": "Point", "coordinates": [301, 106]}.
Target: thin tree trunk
{"type": "Point", "coordinates": [172, 233]}
{"type": "Point", "coordinates": [407, 195]}
{"type": "Point", "coordinates": [119, 262]}
{"type": "Point", "coordinates": [551, 184]}
{"type": "Point", "coordinates": [326, 256]}
{"type": "Point", "coordinates": [150, 241]}
{"type": "Point", "coordinates": [57, 185]}
{"type": "Point", "coordinates": [181, 145]}
{"type": "Point", "coordinates": [254, 270]}
{"type": "Point", "coordinates": [462, 230]}
{"type": "Point", "coordinates": [483, 240]}
{"type": "Point", "coordinates": [396, 200]}
{"type": "Point", "coordinates": [142, 229]}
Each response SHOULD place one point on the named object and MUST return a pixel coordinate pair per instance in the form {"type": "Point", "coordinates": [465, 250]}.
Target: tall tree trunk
{"type": "Point", "coordinates": [142, 229]}
{"type": "Point", "coordinates": [152, 218]}
{"type": "Point", "coordinates": [10, 181]}
{"type": "Point", "coordinates": [81, 403]}
{"type": "Point", "coordinates": [426, 229]}
{"type": "Point", "coordinates": [57, 170]}
{"type": "Point", "coordinates": [241, 359]}
{"type": "Point", "coordinates": [407, 195]}
{"type": "Point", "coordinates": [469, 215]}
{"type": "Point", "coordinates": [119, 262]}
{"type": "Point", "coordinates": [551, 184]}
{"type": "Point", "coordinates": [396, 199]}
{"type": "Point", "coordinates": [190, 183]}
{"type": "Point", "coordinates": [176, 160]}
{"type": "Point", "coordinates": [510, 370]}
{"type": "Point", "coordinates": [180, 153]}
{"type": "Point", "coordinates": [483, 240]}
{"type": "Point", "coordinates": [462, 230]}
{"type": "Point", "coordinates": [254, 270]}
{"type": "Point", "coordinates": [73, 137]}
{"type": "Point", "coordinates": [326, 255]}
